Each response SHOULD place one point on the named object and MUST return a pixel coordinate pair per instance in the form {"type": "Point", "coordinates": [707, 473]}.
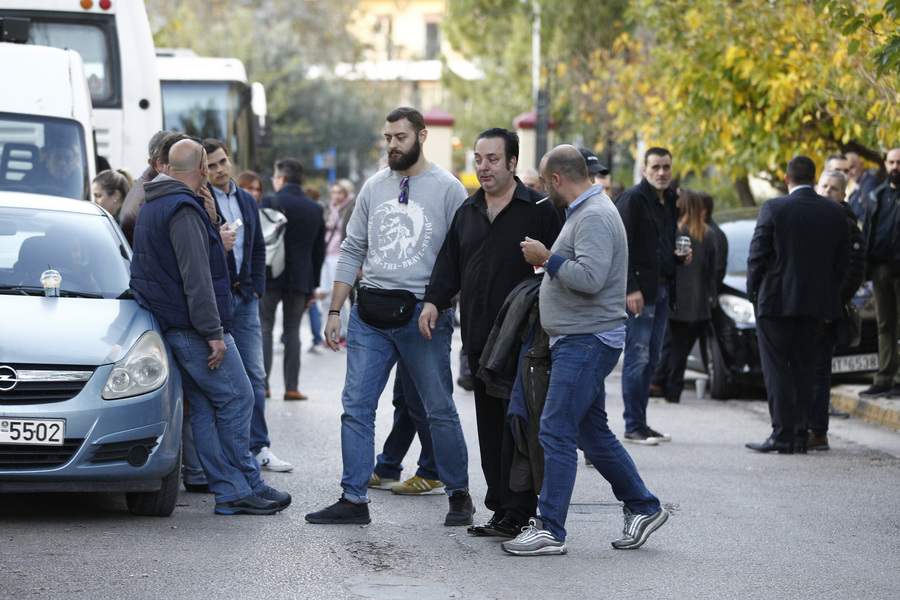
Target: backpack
{"type": "Point", "coordinates": [274, 224]}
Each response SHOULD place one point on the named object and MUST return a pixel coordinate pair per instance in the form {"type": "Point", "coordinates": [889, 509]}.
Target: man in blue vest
{"type": "Point", "coordinates": [179, 273]}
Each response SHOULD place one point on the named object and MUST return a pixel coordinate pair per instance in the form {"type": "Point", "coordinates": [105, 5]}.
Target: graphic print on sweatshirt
{"type": "Point", "coordinates": [401, 234]}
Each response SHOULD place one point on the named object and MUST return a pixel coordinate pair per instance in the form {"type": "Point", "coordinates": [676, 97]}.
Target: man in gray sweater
{"type": "Point", "coordinates": [582, 304]}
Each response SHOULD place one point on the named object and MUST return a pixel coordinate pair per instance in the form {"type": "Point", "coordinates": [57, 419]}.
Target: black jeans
{"type": "Point", "coordinates": [495, 440]}
{"type": "Point", "coordinates": [680, 338]}
{"type": "Point", "coordinates": [294, 305]}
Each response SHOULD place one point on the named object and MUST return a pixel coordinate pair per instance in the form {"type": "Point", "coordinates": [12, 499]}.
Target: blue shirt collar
{"type": "Point", "coordinates": [593, 191]}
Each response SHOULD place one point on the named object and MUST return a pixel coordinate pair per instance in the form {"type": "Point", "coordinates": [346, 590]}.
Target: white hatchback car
{"type": "Point", "coordinates": [90, 399]}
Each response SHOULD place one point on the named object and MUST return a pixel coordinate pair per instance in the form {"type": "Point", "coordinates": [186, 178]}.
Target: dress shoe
{"type": "Point", "coordinates": [484, 529]}
{"type": "Point", "coordinates": [817, 443]}
{"type": "Point", "coordinates": [197, 488]}
{"type": "Point", "coordinates": [506, 528]}
{"type": "Point", "coordinates": [772, 445]}
{"type": "Point", "coordinates": [294, 395]}
{"type": "Point", "coordinates": [657, 391]}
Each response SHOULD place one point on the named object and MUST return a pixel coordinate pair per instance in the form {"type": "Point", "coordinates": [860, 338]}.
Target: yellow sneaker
{"type": "Point", "coordinates": [416, 486]}
{"type": "Point", "coordinates": [381, 483]}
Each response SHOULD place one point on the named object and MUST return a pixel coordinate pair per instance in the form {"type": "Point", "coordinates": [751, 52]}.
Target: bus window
{"type": "Point", "coordinates": [92, 43]}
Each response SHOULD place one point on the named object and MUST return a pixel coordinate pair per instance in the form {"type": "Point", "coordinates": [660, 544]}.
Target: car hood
{"type": "Point", "coordinates": [735, 283]}
{"type": "Point", "coordinates": [69, 331]}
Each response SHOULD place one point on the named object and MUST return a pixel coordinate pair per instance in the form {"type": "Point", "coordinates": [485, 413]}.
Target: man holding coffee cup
{"type": "Point", "coordinates": [650, 213]}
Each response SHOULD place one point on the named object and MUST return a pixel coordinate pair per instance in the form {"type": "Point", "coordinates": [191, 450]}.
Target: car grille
{"type": "Point", "coordinates": [36, 384]}
{"type": "Point", "coordinates": [29, 456]}
{"type": "Point", "coordinates": [118, 451]}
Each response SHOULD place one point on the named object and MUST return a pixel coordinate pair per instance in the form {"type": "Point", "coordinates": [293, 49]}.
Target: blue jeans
{"type": "Point", "coordinates": [409, 419]}
{"type": "Point", "coordinates": [575, 416]}
{"type": "Point", "coordinates": [643, 342]}
{"type": "Point", "coordinates": [371, 354]}
{"type": "Point", "coordinates": [315, 324]}
{"type": "Point", "coordinates": [221, 405]}
{"type": "Point", "coordinates": [248, 339]}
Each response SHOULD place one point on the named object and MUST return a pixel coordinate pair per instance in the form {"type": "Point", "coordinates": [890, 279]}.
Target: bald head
{"type": "Point", "coordinates": [187, 163]}
{"type": "Point", "coordinates": [565, 174]}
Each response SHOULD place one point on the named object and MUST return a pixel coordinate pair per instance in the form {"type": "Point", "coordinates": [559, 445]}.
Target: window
{"type": "Point", "coordinates": [432, 41]}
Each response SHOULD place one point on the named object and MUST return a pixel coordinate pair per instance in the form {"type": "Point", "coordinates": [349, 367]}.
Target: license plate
{"type": "Point", "coordinates": [49, 432]}
{"type": "Point", "coordinates": [852, 364]}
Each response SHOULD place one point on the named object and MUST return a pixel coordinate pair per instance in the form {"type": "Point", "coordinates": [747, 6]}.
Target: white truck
{"type": "Point", "coordinates": [46, 122]}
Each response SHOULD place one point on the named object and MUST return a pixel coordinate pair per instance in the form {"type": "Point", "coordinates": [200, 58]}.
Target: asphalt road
{"type": "Point", "coordinates": [742, 526]}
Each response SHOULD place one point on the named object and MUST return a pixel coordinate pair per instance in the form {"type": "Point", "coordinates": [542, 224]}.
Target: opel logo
{"type": "Point", "coordinates": [8, 378]}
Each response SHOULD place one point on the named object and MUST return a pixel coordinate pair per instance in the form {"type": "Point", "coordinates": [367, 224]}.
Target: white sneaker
{"type": "Point", "coordinates": [269, 462]}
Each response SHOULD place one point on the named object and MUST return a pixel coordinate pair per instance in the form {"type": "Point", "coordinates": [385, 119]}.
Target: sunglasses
{"type": "Point", "coordinates": [404, 191]}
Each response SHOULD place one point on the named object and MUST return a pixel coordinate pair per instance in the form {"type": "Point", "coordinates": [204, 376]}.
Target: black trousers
{"type": "Point", "coordinates": [495, 441]}
{"type": "Point", "coordinates": [787, 348]}
{"type": "Point", "coordinates": [679, 340]}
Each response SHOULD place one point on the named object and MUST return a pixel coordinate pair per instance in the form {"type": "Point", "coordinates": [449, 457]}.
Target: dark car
{"type": "Point", "coordinates": [730, 353]}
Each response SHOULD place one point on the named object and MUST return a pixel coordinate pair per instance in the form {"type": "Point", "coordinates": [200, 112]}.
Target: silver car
{"type": "Point", "coordinates": [90, 399]}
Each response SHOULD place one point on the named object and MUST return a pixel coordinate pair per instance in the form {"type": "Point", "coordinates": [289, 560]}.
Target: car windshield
{"type": "Point", "coordinates": [83, 248]}
{"type": "Point", "coordinates": [738, 233]}
{"type": "Point", "coordinates": [42, 155]}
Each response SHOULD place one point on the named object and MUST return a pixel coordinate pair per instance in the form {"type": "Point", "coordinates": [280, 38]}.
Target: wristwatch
{"type": "Point", "coordinates": [546, 263]}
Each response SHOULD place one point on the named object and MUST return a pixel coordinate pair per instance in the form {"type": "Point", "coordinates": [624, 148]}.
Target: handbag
{"type": "Point", "coordinates": [385, 309]}
{"type": "Point", "coordinates": [274, 224]}
{"type": "Point", "coordinates": [848, 329]}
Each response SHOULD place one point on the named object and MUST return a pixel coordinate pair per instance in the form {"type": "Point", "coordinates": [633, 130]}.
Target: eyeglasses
{"type": "Point", "coordinates": [404, 191]}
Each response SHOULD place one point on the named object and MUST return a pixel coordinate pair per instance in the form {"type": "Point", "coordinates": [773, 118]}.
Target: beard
{"type": "Point", "coordinates": [402, 161]}
{"type": "Point", "coordinates": [894, 177]}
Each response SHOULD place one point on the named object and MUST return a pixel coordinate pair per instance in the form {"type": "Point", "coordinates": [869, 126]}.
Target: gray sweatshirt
{"type": "Point", "coordinates": [397, 244]}
{"type": "Point", "coordinates": [587, 293]}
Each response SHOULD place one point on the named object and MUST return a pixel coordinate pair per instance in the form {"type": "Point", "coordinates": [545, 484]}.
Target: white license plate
{"type": "Point", "coordinates": [49, 432]}
{"type": "Point", "coordinates": [852, 364]}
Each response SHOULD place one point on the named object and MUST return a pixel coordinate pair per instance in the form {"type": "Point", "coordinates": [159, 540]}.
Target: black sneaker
{"type": "Point", "coordinates": [894, 392]}
{"type": "Point", "coordinates": [639, 437]}
{"type": "Point", "coordinates": [342, 512]}
{"type": "Point", "coordinates": [650, 432]}
{"type": "Point", "coordinates": [248, 505]}
{"type": "Point", "coordinates": [638, 528]}
{"type": "Point", "coordinates": [462, 511]}
{"type": "Point", "coordinates": [875, 391]}
{"type": "Point", "coordinates": [269, 493]}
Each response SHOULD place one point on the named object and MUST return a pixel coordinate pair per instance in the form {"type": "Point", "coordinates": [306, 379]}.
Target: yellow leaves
{"type": "Point", "coordinates": [732, 53]}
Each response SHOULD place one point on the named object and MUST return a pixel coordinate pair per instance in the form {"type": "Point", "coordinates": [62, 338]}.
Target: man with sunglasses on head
{"type": "Point", "coordinates": [400, 221]}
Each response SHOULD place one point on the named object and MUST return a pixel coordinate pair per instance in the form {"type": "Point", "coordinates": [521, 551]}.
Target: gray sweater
{"type": "Point", "coordinates": [396, 244]}
{"type": "Point", "coordinates": [587, 293]}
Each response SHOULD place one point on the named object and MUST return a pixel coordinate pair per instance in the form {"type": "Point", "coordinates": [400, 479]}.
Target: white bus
{"type": "Point", "coordinates": [114, 40]}
{"type": "Point", "coordinates": [209, 97]}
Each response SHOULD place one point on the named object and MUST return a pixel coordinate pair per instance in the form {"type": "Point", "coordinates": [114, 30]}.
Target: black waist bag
{"type": "Point", "coordinates": [385, 309]}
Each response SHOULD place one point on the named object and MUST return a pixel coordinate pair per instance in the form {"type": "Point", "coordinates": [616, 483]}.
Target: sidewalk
{"type": "Point", "coordinates": [880, 411]}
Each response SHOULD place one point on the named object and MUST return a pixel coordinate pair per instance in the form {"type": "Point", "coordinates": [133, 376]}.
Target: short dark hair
{"type": "Point", "coordinates": [836, 155]}
{"type": "Point", "coordinates": [412, 115]}
{"type": "Point", "coordinates": [291, 169]}
{"type": "Point", "coordinates": [568, 162]}
{"type": "Point", "coordinates": [165, 144]}
{"type": "Point", "coordinates": [801, 170]}
{"type": "Point", "coordinates": [510, 142]}
{"type": "Point", "coordinates": [656, 151]}
{"type": "Point", "coordinates": [212, 144]}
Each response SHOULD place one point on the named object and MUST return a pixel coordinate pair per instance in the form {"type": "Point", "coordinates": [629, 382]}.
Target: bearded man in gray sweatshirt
{"type": "Point", "coordinates": [582, 303]}
{"type": "Point", "coordinates": [401, 218]}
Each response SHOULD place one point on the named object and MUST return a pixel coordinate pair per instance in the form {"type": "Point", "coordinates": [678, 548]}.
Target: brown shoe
{"type": "Point", "coordinates": [267, 393]}
{"type": "Point", "coordinates": [295, 396]}
{"type": "Point", "coordinates": [814, 442]}
{"type": "Point", "coordinates": [656, 391]}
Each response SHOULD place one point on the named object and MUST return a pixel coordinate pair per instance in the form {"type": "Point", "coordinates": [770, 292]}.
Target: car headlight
{"type": "Point", "coordinates": [145, 368]}
{"type": "Point", "coordinates": [739, 310]}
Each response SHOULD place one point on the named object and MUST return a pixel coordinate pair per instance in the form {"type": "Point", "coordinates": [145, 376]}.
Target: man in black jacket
{"type": "Point", "coordinates": [798, 256]}
{"type": "Point", "coordinates": [650, 214]}
{"type": "Point", "coordinates": [304, 241]}
{"type": "Point", "coordinates": [881, 231]}
{"type": "Point", "coordinates": [482, 261]}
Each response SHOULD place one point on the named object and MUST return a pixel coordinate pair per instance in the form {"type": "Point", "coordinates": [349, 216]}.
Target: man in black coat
{"type": "Point", "coordinates": [304, 241]}
{"type": "Point", "coordinates": [798, 254]}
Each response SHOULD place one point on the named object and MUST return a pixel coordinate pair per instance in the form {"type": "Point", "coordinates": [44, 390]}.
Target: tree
{"type": "Point", "coordinates": [278, 43]}
{"type": "Point", "coordinates": [745, 86]}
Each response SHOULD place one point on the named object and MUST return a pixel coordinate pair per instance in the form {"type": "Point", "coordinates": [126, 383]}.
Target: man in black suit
{"type": "Point", "coordinates": [798, 253]}
{"type": "Point", "coordinates": [304, 241]}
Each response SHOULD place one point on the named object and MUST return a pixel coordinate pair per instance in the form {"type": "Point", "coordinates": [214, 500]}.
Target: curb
{"type": "Point", "coordinates": [880, 411]}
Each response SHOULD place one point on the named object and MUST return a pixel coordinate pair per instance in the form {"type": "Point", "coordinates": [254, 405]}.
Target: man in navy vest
{"type": "Point", "coordinates": [180, 274]}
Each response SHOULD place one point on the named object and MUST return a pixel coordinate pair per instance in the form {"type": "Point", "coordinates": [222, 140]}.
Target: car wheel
{"type": "Point", "coordinates": [160, 503]}
{"type": "Point", "coordinates": [720, 386]}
